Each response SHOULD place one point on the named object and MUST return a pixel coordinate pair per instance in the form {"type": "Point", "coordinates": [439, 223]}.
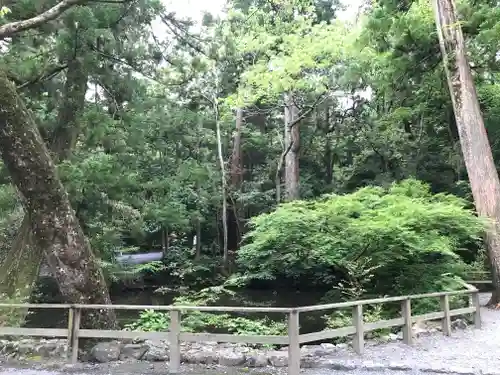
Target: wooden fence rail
{"type": "Point", "coordinates": [293, 338]}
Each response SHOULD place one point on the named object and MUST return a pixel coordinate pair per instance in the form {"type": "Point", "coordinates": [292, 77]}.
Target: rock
{"type": "Point", "coordinates": [278, 358]}
{"type": "Point", "coordinates": [459, 324]}
{"type": "Point", "coordinates": [203, 356]}
{"type": "Point", "coordinates": [393, 337]}
{"type": "Point", "coordinates": [317, 350]}
{"type": "Point", "coordinates": [104, 352]}
{"type": "Point", "coordinates": [394, 366]}
{"type": "Point", "coordinates": [133, 351]}
{"type": "Point", "coordinates": [336, 365]}
{"type": "Point", "coordinates": [256, 359]}
{"type": "Point", "coordinates": [25, 348]}
{"type": "Point", "coordinates": [419, 328]}
{"type": "Point", "coordinates": [231, 358]}
{"type": "Point", "coordinates": [342, 346]}
{"type": "Point", "coordinates": [157, 351]}
{"type": "Point", "coordinates": [327, 345]}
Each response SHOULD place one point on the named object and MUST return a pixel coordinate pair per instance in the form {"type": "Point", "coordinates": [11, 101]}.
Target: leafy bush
{"type": "Point", "coordinates": [339, 319]}
{"type": "Point", "coordinates": [196, 321]}
{"type": "Point", "coordinates": [400, 240]}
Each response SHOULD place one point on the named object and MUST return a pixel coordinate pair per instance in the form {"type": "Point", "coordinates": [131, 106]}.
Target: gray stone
{"type": "Point", "coordinates": [317, 350]}
{"type": "Point", "coordinates": [394, 366]}
{"type": "Point", "coordinates": [133, 351]}
{"type": "Point", "coordinates": [461, 370]}
{"type": "Point", "coordinates": [327, 345]}
{"type": "Point", "coordinates": [371, 366]}
{"type": "Point", "coordinates": [157, 351]}
{"type": "Point", "coordinates": [436, 369]}
{"type": "Point", "coordinates": [459, 324]}
{"type": "Point", "coordinates": [256, 359]}
{"type": "Point", "coordinates": [278, 358]}
{"type": "Point", "coordinates": [203, 356]}
{"type": "Point", "coordinates": [342, 346]}
{"type": "Point", "coordinates": [104, 352]}
{"type": "Point", "coordinates": [337, 365]}
{"type": "Point", "coordinates": [231, 358]}
{"type": "Point", "coordinates": [25, 348]}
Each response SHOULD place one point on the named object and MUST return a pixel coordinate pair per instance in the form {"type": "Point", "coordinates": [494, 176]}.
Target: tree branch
{"type": "Point", "coordinates": [51, 14]}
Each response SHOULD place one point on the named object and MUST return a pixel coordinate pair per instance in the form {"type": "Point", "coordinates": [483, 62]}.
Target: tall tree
{"type": "Point", "coordinates": [56, 230]}
{"type": "Point", "coordinates": [475, 146]}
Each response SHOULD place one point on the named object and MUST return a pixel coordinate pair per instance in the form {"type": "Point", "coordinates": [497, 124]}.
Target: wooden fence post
{"type": "Point", "coordinates": [71, 319]}
{"type": "Point", "coordinates": [446, 322]}
{"type": "Point", "coordinates": [293, 343]}
{"type": "Point", "coordinates": [358, 341]}
{"type": "Point", "coordinates": [173, 338]}
{"type": "Point", "coordinates": [74, 325]}
{"type": "Point", "coordinates": [477, 312]}
{"type": "Point", "coordinates": [407, 328]}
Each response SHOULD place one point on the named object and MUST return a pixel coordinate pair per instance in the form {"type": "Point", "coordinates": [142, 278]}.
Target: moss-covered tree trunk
{"type": "Point", "coordinates": [475, 146]}
{"type": "Point", "coordinates": [20, 269]}
{"type": "Point", "coordinates": [55, 228]}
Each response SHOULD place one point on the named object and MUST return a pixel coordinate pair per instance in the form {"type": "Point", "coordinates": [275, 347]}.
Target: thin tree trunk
{"type": "Point", "coordinates": [292, 145]}
{"type": "Point", "coordinates": [328, 156]}
{"type": "Point", "coordinates": [56, 230]}
{"type": "Point", "coordinates": [236, 169]}
{"type": "Point", "coordinates": [236, 177]}
{"type": "Point", "coordinates": [223, 188]}
{"type": "Point", "coordinates": [483, 176]}
{"type": "Point", "coordinates": [22, 265]}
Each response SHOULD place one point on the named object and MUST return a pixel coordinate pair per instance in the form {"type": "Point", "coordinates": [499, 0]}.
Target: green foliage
{"type": "Point", "coordinates": [400, 240]}
{"type": "Point", "coordinates": [374, 108]}
{"type": "Point", "coordinates": [196, 321]}
{"type": "Point", "coordinates": [13, 317]}
{"type": "Point", "coordinates": [371, 314]}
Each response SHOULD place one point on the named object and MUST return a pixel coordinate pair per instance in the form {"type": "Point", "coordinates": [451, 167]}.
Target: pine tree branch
{"type": "Point", "coordinates": [12, 28]}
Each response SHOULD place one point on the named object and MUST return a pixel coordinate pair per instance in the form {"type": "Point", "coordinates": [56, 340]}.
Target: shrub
{"type": "Point", "coordinates": [196, 321]}
{"type": "Point", "coordinates": [400, 240]}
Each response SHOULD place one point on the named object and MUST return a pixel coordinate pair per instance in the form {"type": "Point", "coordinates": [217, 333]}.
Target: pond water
{"type": "Point", "coordinates": [50, 318]}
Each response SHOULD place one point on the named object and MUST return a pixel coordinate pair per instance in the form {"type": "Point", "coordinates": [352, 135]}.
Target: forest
{"type": "Point", "coordinates": [275, 149]}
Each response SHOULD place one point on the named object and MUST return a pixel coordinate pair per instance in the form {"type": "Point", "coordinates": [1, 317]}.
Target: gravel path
{"type": "Point", "coordinates": [467, 352]}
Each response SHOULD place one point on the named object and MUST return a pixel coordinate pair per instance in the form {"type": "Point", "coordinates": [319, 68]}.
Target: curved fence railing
{"type": "Point", "coordinates": [293, 339]}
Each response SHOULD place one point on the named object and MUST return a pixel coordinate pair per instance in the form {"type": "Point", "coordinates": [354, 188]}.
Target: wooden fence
{"type": "Point", "coordinates": [293, 338]}
{"type": "Point", "coordinates": [479, 278]}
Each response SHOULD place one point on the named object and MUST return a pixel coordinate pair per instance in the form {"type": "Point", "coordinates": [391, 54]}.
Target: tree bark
{"type": "Point", "coordinates": [56, 230]}
{"type": "Point", "coordinates": [22, 264]}
{"type": "Point", "coordinates": [292, 147]}
{"type": "Point", "coordinates": [21, 267]}
{"type": "Point", "coordinates": [225, 250]}
{"type": "Point", "coordinates": [483, 176]}
{"type": "Point", "coordinates": [236, 178]}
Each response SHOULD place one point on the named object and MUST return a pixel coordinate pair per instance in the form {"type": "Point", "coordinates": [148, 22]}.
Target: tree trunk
{"type": "Point", "coordinates": [236, 178]}
{"type": "Point", "coordinates": [236, 168]}
{"type": "Point", "coordinates": [483, 176]}
{"type": "Point", "coordinates": [292, 148]}
{"type": "Point", "coordinates": [223, 188]}
{"type": "Point", "coordinates": [55, 228]}
{"type": "Point", "coordinates": [22, 265]}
